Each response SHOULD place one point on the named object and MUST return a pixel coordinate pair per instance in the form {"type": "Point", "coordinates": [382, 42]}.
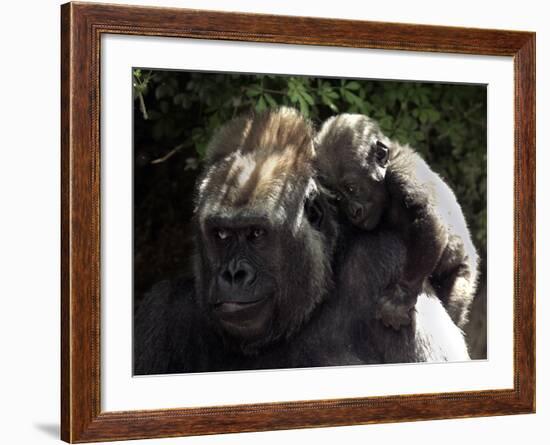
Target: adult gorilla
{"type": "Point", "coordinates": [271, 288]}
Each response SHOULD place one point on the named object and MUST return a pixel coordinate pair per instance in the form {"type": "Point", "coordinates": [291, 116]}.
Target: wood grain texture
{"type": "Point", "coordinates": [82, 26]}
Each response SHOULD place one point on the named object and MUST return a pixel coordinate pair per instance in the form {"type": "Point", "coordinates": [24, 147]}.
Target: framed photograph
{"type": "Point", "coordinates": [274, 222]}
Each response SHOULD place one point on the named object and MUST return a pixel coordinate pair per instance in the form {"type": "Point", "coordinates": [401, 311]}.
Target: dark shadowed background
{"type": "Point", "coordinates": [176, 113]}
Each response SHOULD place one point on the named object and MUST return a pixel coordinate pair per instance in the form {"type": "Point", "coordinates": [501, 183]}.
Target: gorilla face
{"type": "Point", "coordinates": [357, 175]}
{"type": "Point", "coordinates": [242, 291]}
{"type": "Point", "coordinates": [362, 195]}
{"type": "Point", "coordinates": [264, 243]}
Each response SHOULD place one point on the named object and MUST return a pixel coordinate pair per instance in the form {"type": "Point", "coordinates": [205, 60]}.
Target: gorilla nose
{"type": "Point", "coordinates": [356, 211]}
{"type": "Point", "coordinates": [238, 273]}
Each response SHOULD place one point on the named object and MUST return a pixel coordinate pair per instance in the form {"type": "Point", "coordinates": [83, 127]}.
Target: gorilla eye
{"type": "Point", "coordinates": [382, 153]}
{"type": "Point", "coordinates": [222, 234]}
{"type": "Point", "coordinates": [257, 232]}
{"type": "Point", "coordinates": [350, 188]}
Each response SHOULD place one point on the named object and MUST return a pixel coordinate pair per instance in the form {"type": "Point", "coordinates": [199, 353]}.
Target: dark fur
{"type": "Point", "coordinates": [382, 183]}
{"type": "Point", "coordinates": [311, 321]}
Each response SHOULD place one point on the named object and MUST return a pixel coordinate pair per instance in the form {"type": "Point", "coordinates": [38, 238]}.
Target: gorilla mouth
{"type": "Point", "coordinates": [368, 224]}
{"type": "Point", "coordinates": [243, 318]}
{"type": "Point", "coordinates": [365, 223]}
{"type": "Point", "coordinates": [232, 306]}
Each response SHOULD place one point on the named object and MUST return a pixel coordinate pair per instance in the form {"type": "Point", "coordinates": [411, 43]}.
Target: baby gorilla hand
{"type": "Point", "coordinates": [395, 307]}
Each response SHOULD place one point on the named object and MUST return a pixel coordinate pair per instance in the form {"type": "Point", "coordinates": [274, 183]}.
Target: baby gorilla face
{"type": "Point", "coordinates": [361, 197]}
{"type": "Point", "coordinates": [352, 162]}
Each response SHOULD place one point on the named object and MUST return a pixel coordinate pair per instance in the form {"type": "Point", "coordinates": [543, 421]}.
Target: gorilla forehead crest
{"type": "Point", "coordinates": [259, 164]}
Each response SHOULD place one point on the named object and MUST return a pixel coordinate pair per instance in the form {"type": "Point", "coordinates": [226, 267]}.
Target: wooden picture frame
{"type": "Point", "coordinates": [82, 26]}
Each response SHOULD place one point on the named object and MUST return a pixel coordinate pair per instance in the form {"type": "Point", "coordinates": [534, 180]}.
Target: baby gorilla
{"type": "Point", "coordinates": [381, 183]}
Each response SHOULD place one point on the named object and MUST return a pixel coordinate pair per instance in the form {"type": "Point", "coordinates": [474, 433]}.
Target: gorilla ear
{"type": "Point", "coordinates": [382, 153]}
{"type": "Point", "coordinates": [314, 212]}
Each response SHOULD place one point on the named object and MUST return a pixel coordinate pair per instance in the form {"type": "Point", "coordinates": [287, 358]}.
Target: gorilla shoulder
{"type": "Point", "coordinates": [168, 312]}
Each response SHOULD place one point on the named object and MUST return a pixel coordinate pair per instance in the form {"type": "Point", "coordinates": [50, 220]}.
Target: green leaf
{"type": "Point", "coordinates": [261, 104]}
{"type": "Point", "coordinates": [352, 98]}
{"type": "Point", "coordinates": [386, 123]}
{"type": "Point", "coordinates": [162, 91]}
{"type": "Point", "coordinates": [308, 98]}
{"type": "Point", "coordinates": [423, 116]}
{"type": "Point", "coordinates": [303, 106]}
{"type": "Point", "coordinates": [272, 102]}
{"type": "Point", "coordinates": [433, 115]}
{"type": "Point", "coordinates": [164, 106]}
{"type": "Point", "coordinates": [253, 91]}
{"type": "Point", "coordinates": [326, 100]}
{"type": "Point", "coordinates": [353, 85]}
{"type": "Point", "coordinates": [179, 98]}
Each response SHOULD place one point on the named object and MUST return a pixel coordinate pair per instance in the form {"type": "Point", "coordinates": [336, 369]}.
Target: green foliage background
{"type": "Point", "coordinates": [176, 113]}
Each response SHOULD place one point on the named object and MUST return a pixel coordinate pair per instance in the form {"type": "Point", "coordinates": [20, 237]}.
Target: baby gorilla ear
{"type": "Point", "coordinates": [382, 153]}
{"type": "Point", "coordinates": [314, 212]}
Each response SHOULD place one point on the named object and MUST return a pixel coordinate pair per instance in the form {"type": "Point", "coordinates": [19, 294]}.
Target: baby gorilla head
{"type": "Point", "coordinates": [353, 157]}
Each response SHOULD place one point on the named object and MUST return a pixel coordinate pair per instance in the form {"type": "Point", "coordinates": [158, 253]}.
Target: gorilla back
{"type": "Point", "coordinates": [263, 295]}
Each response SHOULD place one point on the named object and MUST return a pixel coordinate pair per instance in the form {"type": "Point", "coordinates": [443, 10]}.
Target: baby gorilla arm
{"type": "Point", "coordinates": [413, 215]}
